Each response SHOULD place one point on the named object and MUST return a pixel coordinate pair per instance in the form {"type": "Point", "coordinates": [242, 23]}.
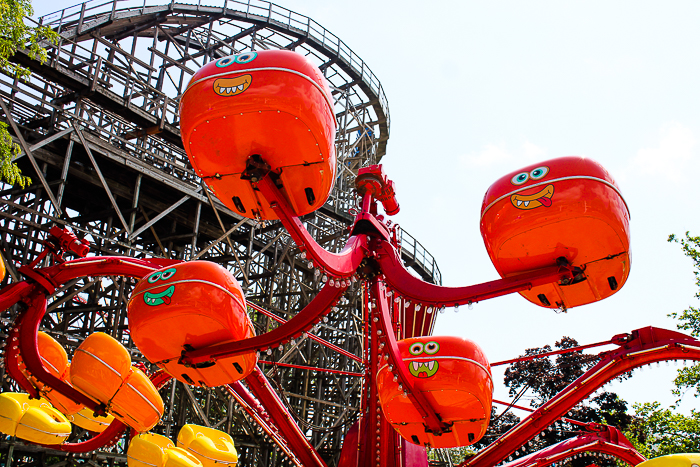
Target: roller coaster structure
{"type": "Point", "coordinates": [328, 310]}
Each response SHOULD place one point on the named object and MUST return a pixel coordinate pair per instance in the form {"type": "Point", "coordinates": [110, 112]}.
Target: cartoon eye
{"type": "Point", "coordinates": [167, 274]}
{"type": "Point", "coordinates": [539, 172]}
{"type": "Point", "coordinates": [226, 61]}
{"type": "Point", "coordinates": [154, 278]}
{"type": "Point", "coordinates": [246, 57]}
{"type": "Point", "coordinates": [416, 348]}
{"type": "Point", "coordinates": [162, 275]}
{"type": "Point", "coordinates": [432, 347]}
{"type": "Point", "coordinates": [520, 178]}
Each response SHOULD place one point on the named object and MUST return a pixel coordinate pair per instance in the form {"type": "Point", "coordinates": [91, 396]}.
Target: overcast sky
{"type": "Point", "coordinates": [479, 89]}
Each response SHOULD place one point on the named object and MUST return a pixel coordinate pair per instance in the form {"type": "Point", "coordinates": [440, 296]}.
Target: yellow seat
{"type": "Point", "coordinates": [33, 420]}
{"type": "Point", "coordinates": [87, 420]}
{"type": "Point", "coordinates": [212, 447]}
{"type": "Point", "coordinates": [99, 367]}
{"type": "Point", "coordinates": [152, 450]}
{"type": "Point", "coordinates": [673, 460]}
{"type": "Point", "coordinates": [137, 403]}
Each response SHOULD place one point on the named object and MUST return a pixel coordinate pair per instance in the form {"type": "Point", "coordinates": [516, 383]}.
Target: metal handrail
{"type": "Point", "coordinates": [271, 12]}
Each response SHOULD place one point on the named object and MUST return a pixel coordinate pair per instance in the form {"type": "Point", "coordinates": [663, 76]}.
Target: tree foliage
{"type": "Point", "coordinates": [16, 34]}
{"type": "Point", "coordinates": [541, 379]}
{"type": "Point", "coordinates": [657, 432]}
{"type": "Point", "coordinates": [688, 379]}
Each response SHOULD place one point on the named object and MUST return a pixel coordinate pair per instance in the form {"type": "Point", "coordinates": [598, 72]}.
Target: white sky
{"type": "Point", "coordinates": [477, 89]}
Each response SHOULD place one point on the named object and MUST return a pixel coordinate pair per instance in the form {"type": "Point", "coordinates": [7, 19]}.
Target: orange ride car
{"type": "Point", "coordinates": [454, 376]}
{"type": "Point", "coordinates": [270, 107]}
{"type": "Point", "coordinates": [189, 306]}
{"type": "Point", "coordinates": [562, 211]}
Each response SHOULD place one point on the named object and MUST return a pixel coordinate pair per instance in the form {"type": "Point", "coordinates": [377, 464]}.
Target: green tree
{"type": "Point", "coordinates": [16, 34]}
{"type": "Point", "coordinates": [543, 378]}
{"type": "Point", "coordinates": [688, 379]}
{"type": "Point", "coordinates": [657, 432]}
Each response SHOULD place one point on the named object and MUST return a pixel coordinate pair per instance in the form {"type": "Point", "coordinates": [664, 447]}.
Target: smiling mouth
{"type": "Point", "coordinates": [535, 200]}
{"type": "Point", "coordinates": [232, 86]}
{"type": "Point", "coordinates": [155, 299]}
{"type": "Point", "coordinates": [423, 369]}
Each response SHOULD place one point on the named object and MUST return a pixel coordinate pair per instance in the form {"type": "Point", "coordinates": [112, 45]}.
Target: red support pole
{"type": "Point", "coordinates": [608, 441]}
{"type": "Point", "coordinates": [299, 445]}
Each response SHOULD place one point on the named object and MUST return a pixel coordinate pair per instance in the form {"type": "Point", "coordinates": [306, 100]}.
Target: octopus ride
{"type": "Point", "coordinates": [259, 129]}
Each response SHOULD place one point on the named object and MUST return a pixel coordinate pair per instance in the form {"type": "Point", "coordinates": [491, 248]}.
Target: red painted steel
{"type": "Point", "coordinates": [607, 440]}
{"type": "Point", "coordinates": [261, 389]}
{"type": "Point", "coordinates": [392, 355]}
{"type": "Point", "coordinates": [312, 336]}
{"type": "Point", "coordinates": [641, 347]}
{"type": "Point", "coordinates": [312, 368]}
{"type": "Point", "coordinates": [258, 413]}
{"type": "Point", "coordinates": [556, 352]}
{"type": "Point", "coordinates": [343, 264]}
{"type": "Point", "coordinates": [302, 321]}
{"type": "Point", "coordinates": [398, 278]}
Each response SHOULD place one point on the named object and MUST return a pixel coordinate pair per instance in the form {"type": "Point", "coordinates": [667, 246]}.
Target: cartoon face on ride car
{"type": "Point", "coordinates": [233, 86]}
{"type": "Point", "coordinates": [541, 197]}
{"type": "Point", "coordinates": [421, 364]}
{"type": "Point", "coordinates": [155, 299]}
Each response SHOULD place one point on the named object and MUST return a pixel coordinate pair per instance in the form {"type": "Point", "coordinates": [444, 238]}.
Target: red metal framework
{"type": "Point", "coordinates": [397, 306]}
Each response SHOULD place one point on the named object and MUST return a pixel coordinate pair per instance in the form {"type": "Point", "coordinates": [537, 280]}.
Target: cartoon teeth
{"type": "Point", "coordinates": [535, 200]}
{"type": "Point", "coordinates": [156, 299]}
{"type": "Point", "coordinates": [424, 369]}
{"type": "Point", "coordinates": [227, 87]}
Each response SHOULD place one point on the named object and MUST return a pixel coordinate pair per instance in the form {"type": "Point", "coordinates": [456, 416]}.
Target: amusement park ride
{"type": "Point", "coordinates": [259, 128]}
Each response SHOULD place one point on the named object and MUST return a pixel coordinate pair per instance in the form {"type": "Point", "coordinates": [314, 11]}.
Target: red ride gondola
{"type": "Point", "coordinates": [567, 210]}
{"type": "Point", "coordinates": [190, 306]}
{"type": "Point", "coordinates": [455, 376]}
{"type": "Point", "coordinates": [271, 109]}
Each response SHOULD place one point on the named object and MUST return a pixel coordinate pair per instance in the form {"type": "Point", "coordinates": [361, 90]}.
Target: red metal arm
{"type": "Point", "coordinates": [34, 296]}
{"type": "Point", "coordinates": [314, 337]}
{"type": "Point", "coordinates": [608, 441]}
{"type": "Point", "coordinates": [431, 419]}
{"type": "Point", "coordinates": [303, 320]}
{"type": "Point", "coordinates": [258, 413]}
{"type": "Point", "coordinates": [110, 435]}
{"type": "Point", "coordinates": [343, 264]}
{"type": "Point", "coordinates": [419, 291]}
{"type": "Point", "coordinates": [303, 451]}
{"type": "Point", "coordinates": [642, 346]}
{"type": "Point", "coordinates": [28, 327]}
